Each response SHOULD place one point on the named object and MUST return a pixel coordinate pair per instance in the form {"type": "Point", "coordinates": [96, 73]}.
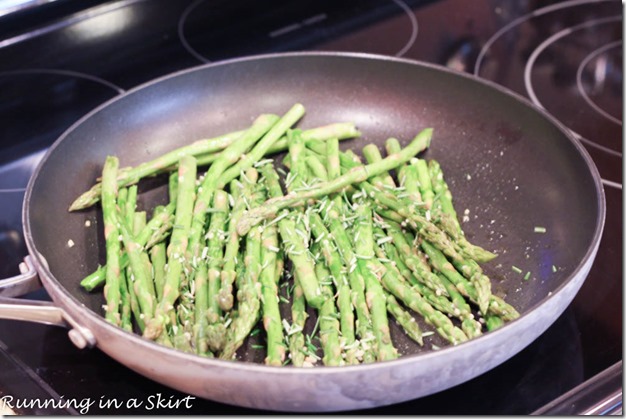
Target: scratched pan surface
{"type": "Point", "coordinates": [510, 167]}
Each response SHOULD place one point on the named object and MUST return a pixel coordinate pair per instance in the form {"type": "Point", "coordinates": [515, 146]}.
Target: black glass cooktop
{"type": "Point", "coordinates": [61, 59]}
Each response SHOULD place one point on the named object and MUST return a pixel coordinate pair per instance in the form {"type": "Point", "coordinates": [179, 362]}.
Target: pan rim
{"type": "Point", "coordinates": [49, 280]}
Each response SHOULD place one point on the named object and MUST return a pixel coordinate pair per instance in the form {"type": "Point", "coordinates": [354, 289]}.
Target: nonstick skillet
{"type": "Point", "coordinates": [511, 167]}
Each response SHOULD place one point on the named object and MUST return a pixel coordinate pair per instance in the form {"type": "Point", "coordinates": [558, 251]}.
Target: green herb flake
{"type": "Point", "coordinates": [527, 276]}
{"type": "Point", "coordinates": [516, 269]}
{"type": "Point", "coordinates": [539, 229]}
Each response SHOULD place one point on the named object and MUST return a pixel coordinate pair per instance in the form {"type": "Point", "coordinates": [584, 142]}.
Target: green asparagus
{"type": "Point", "coordinates": [352, 243]}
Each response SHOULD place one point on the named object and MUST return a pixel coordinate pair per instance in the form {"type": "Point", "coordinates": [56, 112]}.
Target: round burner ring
{"type": "Point", "coordinates": [401, 52]}
{"type": "Point", "coordinates": [579, 81]}
{"type": "Point", "coordinates": [539, 12]}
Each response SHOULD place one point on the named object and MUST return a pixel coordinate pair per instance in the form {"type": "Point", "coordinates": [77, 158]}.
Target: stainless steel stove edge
{"type": "Point", "coordinates": [600, 395]}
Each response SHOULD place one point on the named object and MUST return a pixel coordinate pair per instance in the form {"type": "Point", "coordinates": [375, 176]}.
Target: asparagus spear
{"type": "Point", "coordinates": [334, 261]}
{"type": "Point", "coordinates": [126, 304]}
{"type": "Point", "coordinates": [172, 186]}
{"type": "Point", "coordinates": [493, 322]}
{"type": "Point", "coordinates": [158, 260]}
{"type": "Point", "coordinates": [130, 207]}
{"type": "Point", "coordinates": [156, 230]}
{"type": "Point", "coordinates": [372, 155]}
{"type": "Point", "coordinates": [228, 274]}
{"type": "Point", "coordinates": [374, 296]}
{"type": "Point", "coordinates": [441, 190]}
{"type": "Point", "coordinates": [122, 197]}
{"type": "Point", "coordinates": [201, 303]}
{"type": "Point", "coordinates": [133, 175]}
{"type": "Point", "coordinates": [296, 180]}
{"type": "Point", "coordinates": [269, 303]}
{"type": "Point", "coordinates": [328, 322]}
{"type": "Point", "coordinates": [134, 302]}
{"type": "Point", "coordinates": [215, 253]}
{"type": "Point", "coordinates": [297, 342]}
{"type": "Point", "coordinates": [180, 330]}
{"type": "Point", "coordinates": [411, 182]}
{"type": "Point", "coordinates": [208, 331]}
{"type": "Point", "coordinates": [294, 247]}
{"type": "Point", "coordinates": [250, 288]}
{"type": "Point", "coordinates": [466, 249]}
{"type": "Point", "coordinates": [138, 225]}
{"type": "Point", "coordinates": [425, 185]}
{"type": "Point", "coordinates": [141, 279]}
{"type": "Point", "coordinates": [333, 164]}
{"type": "Point", "coordinates": [472, 271]}
{"type": "Point", "coordinates": [404, 319]}
{"type": "Point", "coordinates": [177, 247]}
{"type": "Point", "coordinates": [392, 146]}
{"type": "Point", "coordinates": [317, 168]}
{"type": "Point", "coordinates": [125, 301]}
{"type": "Point", "coordinates": [137, 222]}
{"type": "Point", "coordinates": [112, 288]}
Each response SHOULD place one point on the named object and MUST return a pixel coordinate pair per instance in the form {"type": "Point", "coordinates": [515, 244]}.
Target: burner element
{"type": "Point", "coordinates": [36, 106]}
{"type": "Point", "coordinates": [604, 62]}
{"type": "Point", "coordinates": [571, 118]}
{"type": "Point", "coordinates": [565, 58]}
{"type": "Point", "coordinates": [390, 28]}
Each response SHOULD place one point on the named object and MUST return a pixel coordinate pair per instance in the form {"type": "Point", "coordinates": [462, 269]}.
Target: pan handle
{"type": "Point", "coordinates": [27, 281]}
{"type": "Point", "coordinates": [38, 311]}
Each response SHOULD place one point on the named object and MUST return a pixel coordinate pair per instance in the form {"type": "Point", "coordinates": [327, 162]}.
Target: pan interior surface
{"type": "Point", "coordinates": [509, 167]}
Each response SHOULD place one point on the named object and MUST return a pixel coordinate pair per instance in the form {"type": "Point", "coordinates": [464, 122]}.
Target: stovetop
{"type": "Point", "coordinates": [59, 60]}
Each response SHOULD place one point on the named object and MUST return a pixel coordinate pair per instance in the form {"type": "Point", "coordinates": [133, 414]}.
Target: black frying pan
{"type": "Point", "coordinates": [510, 166]}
